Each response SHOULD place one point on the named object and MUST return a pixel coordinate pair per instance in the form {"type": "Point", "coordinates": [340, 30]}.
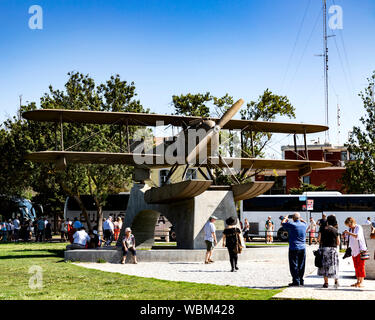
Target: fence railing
{"type": "Point", "coordinates": [310, 236]}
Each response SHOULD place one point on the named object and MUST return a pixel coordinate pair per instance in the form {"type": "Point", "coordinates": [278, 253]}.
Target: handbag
{"type": "Point", "coordinates": [348, 251]}
{"type": "Point", "coordinates": [365, 255]}
{"type": "Point", "coordinates": [238, 247]}
{"type": "Point", "coordinates": [318, 258]}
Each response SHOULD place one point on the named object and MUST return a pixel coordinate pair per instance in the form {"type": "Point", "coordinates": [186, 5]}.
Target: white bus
{"type": "Point", "coordinates": [115, 206]}
{"type": "Point", "coordinates": [257, 210]}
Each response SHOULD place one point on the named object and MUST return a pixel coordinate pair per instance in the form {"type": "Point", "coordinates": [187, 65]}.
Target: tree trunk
{"type": "Point", "coordinates": [100, 222]}
{"type": "Point", "coordinates": [84, 211]}
{"type": "Point", "coordinates": [80, 203]}
{"type": "Point", "coordinates": [99, 211]}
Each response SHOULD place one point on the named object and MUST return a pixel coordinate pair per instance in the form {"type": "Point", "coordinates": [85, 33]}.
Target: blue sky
{"type": "Point", "coordinates": [175, 47]}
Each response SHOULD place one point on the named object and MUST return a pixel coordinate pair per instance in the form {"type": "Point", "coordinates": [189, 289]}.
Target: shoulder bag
{"type": "Point", "coordinates": [364, 254]}
{"type": "Point", "coordinates": [318, 257]}
{"type": "Point", "coordinates": [348, 251]}
{"type": "Point", "coordinates": [238, 247]}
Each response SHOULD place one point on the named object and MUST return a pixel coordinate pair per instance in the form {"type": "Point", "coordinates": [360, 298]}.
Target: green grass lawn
{"type": "Point", "coordinates": [66, 281]}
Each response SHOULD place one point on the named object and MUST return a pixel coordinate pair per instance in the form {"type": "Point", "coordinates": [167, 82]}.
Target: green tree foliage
{"type": "Point", "coordinates": [359, 176]}
{"type": "Point", "coordinates": [307, 187]}
{"type": "Point", "coordinates": [192, 104]}
{"type": "Point", "coordinates": [266, 108]}
{"type": "Point", "coordinates": [81, 93]}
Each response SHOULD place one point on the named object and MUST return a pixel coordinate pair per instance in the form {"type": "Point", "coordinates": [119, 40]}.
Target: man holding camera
{"type": "Point", "coordinates": [297, 247]}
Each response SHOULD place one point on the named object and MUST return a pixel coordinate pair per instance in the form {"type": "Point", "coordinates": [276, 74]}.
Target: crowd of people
{"type": "Point", "coordinates": [25, 230]}
{"type": "Point", "coordinates": [40, 230]}
{"type": "Point", "coordinates": [269, 229]}
{"type": "Point", "coordinates": [328, 240]}
{"type": "Point", "coordinates": [75, 232]}
{"type": "Point", "coordinates": [233, 239]}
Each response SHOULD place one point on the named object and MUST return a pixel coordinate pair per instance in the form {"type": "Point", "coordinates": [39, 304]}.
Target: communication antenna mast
{"type": "Point", "coordinates": [325, 57]}
{"type": "Point", "coordinates": [338, 121]}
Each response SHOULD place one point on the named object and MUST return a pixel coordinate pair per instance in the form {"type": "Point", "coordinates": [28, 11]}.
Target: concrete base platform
{"type": "Point", "coordinates": [107, 254]}
{"type": "Point", "coordinates": [114, 255]}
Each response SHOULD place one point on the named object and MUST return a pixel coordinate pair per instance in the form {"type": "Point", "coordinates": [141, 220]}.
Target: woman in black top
{"type": "Point", "coordinates": [230, 240]}
{"type": "Point", "coordinates": [329, 239]}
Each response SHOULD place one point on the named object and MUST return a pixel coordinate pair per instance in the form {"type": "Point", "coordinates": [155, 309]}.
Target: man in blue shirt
{"type": "Point", "coordinates": [297, 247]}
{"type": "Point", "coordinates": [41, 229]}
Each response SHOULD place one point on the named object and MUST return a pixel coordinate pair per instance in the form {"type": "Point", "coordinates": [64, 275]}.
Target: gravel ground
{"type": "Point", "coordinates": [313, 287]}
{"type": "Point", "coordinates": [269, 273]}
{"type": "Point", "coordinates": [261, 274]}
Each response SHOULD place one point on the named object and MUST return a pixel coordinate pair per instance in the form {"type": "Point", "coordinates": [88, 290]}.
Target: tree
{"type": "Point", "coordinates": [359, 176]}
{"type": "Point", "coordinates": [81, 93]}
{"type": "Point", "coordinates": [266, 108]}
{"type": "Point", "coordinates": [307, 187]}
{"type": "Point", "coordinates": [192, 104]}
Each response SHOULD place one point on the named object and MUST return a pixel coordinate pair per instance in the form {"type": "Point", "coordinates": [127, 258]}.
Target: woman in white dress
{"type": "Point", "coordinates": [357, 243]}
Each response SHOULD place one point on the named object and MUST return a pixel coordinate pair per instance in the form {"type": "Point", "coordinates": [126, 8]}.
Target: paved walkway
{"type": "Point", "coordinates": [313, 286]}
{"type": "Point", "coordinates": [260, 274]}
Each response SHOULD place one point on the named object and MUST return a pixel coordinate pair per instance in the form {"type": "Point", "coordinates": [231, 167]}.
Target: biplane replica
{"type": "Point", "coordinates": [191, 157]}
{"type": "Point", "coordinates": [199, 152]}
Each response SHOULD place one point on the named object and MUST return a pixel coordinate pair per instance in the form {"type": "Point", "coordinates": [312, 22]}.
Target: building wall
{"type": "Point", "coordinates": [315, 155]}
{"type": "Point", "coordinates": [329, 176]}
{"type": "Point", "coordinates": [317, 177]}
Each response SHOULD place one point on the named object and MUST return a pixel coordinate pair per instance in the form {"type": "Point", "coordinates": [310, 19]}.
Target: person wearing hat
{"type": "Point", "coordinates": [269, 230]}
{"type": "Point", "coordinates": [210, 238]}
{"type": "Point", "coordinates": [231, 241]}
{"type": "Point", "coordinates": [128, 244]}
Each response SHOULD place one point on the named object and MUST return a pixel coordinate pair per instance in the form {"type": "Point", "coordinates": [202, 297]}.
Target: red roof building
{"type": "Point", "coordinates": [287, 179]}
{"type": "Point", "coordinates": [327, 176]}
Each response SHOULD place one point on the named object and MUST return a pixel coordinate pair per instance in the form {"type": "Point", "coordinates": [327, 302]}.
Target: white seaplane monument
{"type": "Point", "coordinates": [187, 204]}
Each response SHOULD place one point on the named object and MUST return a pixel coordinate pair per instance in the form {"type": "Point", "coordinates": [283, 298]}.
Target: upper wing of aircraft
{"type": "Point", "coordinates": [145, 119]}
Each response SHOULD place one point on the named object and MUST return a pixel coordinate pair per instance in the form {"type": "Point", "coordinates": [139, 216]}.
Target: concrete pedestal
{"type": "Point", "coordinates": [113, 255]}
{"type": "Point", "coordinates": [188, 217]}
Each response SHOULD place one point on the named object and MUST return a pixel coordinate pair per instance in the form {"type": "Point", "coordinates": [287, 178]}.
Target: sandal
{"type": "Point", "coordinates": [354, 284]}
